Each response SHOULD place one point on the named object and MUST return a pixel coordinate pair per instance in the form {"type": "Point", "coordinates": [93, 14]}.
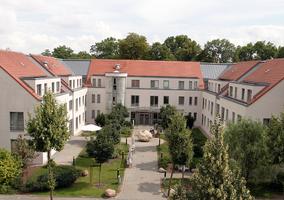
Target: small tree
{"type": "Point", "coordinates": [118, 115]}
{"type": "Point", "coordinates": [214, 178]}
{"type": "Point", "coordinates": [101, 119]}
{"type": "Point", "coordinates": [112, 131]}
{"type": "Point", "coordinates": [101, 149]}
{"type": "Point", "coordinates": [275, 140]}
{"type": "Point", "coordinates": [166, 112]}
{"type": "Point", "coordinates": [180, 144]}
{"type": "Point", "coordinates": [247, 145]}
{"type": "Point", "coordinates": [10, 169]}
{"type": "Point", "coordinates": [48, 130]}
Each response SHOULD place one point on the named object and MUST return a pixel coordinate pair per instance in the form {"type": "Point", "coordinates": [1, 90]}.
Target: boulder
{"type": "Point", "coordinates": [162, 170]}
{"type": "Point", "coordinates": [85, 173]}
{"type": "Point", "coordinates": [110, 193]}
{"type": "Point", "coordinates": [144, 136]}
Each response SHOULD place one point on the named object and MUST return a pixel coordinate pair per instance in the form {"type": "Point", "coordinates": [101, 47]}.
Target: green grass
{"type": "Point", "coordinates": [82, 186]}
{"type": "Point", "coordinates": [175, 181]}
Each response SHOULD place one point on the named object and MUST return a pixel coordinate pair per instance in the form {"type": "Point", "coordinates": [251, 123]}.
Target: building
{"type": "Point", "coordinates": [252, 89]}
{"type": "Point", "coordinates": [23, 81]}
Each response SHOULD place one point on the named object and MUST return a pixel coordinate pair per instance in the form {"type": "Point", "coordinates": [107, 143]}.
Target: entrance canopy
{"type": "Point", "coordinates": [91, 127]}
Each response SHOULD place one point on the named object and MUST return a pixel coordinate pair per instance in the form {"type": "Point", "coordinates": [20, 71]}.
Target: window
{"type": "Point", "coordinates": [195, 101]}
{"type": "Point", "coordinates": [16, 121]}
{"type": "Point", "coordinates": [38, 89]}
{"type": "Point", "coordinates": [154, 101]}
{"type": "Point", "coordinates": [203, 102]}
{"type": "Point", "coordinates": [70, 104]}
{"type": "Point", "coordinates": [219, 88]}
{"type": "Point", "coordinates": [217, 109]}
{"type": "Point", "coordinates": [94, 82]}
{"type": "Point", "coordinates": [181, 100]}
{"type": "Point", "coordinates": [79, 119]}
{"type": "Point", "coordinates": [227, 114]}
{"type": "Point", "coordinates": [93, 98]}
{"type": "Point", "coordinates": [114, 84]}
{"type": "Point", "coordinates": [99, 82]}
{"type": "Point", "coordinates": [202, 119]}
{"type": "Point", "coordinates": [233, 117]}
{"type": "Point", "coordinates": [45, 88]}
{"type": "Point", "coordinates": [243, 94]}
{"type": "Point", "coordinates": [195, 85]}
{"type": "Point", "coordinates": [154, 84]}
{"type": "Point", "coordinates": [98, 112]}
{"type": "Point", "coordinates": [166, 99]}
{"type": "Point", "coordinates": [77, 82]}
{"type": "Point", "coordinates": [76, 104]}
{"type": "Point", "coordinates": [190, 101]}
{"type": "Point", "coordinates": [70, 83]}
{"type": "Point", "coordinates": [166, 84]}
{"type": "Point", "coordinates": [236, 92]}
{"type": "Point", "coordinates": [83, 100]}
{"type": "Point", "coordinates": [135, 83]}
{"type": "Point", "coordinates": [79, 101]}
{"type": "Point", "coordinates": [52, 87]}
{"type": "Point", "coordinates": [239, 117]}
{"type": "Point", "coordinates": [73, 83]}
{"type": "Point", "coordinates": [98, 98]}
{"type": "Point", "coordinates": [190, 85]}
{"type": "Point", "coordinates": [77, 123]}
{"type": "Point", "coordinates": [93, 114]}
{"type": "Point", "coordinates": [222, 113]}
{"type": "Point", "coordinates": [266, 121]}
{"type": "Point", "coordinates": [80, 82]}
{"type": "Point", "coordinates": [249, 95]}
{"type": "Point", "coordinates": [134, 100]}
{"type": "Point", "coordinates": [57, 86]}
{"type": "Point", "coordinates": [231, 91]}
{"type": "Point", "coordinates": [195, 116]}
{"type": "Point", "coordinates": [181, 85]}
{"type": "Point", "coordinates": [211, 108]}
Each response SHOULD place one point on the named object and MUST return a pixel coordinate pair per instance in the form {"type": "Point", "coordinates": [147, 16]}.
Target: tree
{"type": "Point", "coordinates": [244, 53]}
{"type": "Point", "coordinates": [10, 169]}
{"type": "Point", "coordinates": [133, 47]}
{"type": "Point", "coordinates": [117, 115]}
{"type": "Point", "coordinates": [159, 51]}
{"type": "Point", "coordinates": [180, 144]}
{"type": "Point", "coordinates": [247, 145]}
{"type": "Point", "coordinates": [275, 139]}
{"type": "Point", "coordinates": [101, 149]}
{"type": "Point", "coordinates": [101, 119]}
{"type": "Point", "coordinates": [112, 131]}
{"type": "Point", "coordinates": [218, 51]}
{"type": "Point", "coordinates": [62, 52]}
{"type": "Point", "coordinates": [182, 47]}
{"type": "Point", "coordinates": [46, 53]}
{"type": "Point", "coordinates": [214, 179]}
{"type": "Point", "coordinates": [24, 151]}
{"type": "Point", "coordinates": [166, 112]}
{"type": "Point", "coordinates": [107, 48]}
{"type": "Point", "coordinates": [280, 53]}
{"type": "Point", "coordinates": [264, 50]}
{"type": "Point", "coordinates": [48, 130]}
{"type": "Point", "coordinates": [82, 55]}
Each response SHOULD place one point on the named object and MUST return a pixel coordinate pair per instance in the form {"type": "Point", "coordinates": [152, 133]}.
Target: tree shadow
{"type": "Point", "coordinates": [150, 166]}
{"type": "Point", "coordinates": [153, 188]}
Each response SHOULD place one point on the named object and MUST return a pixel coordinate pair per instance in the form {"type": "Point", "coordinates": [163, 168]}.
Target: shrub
{"type": "Point", "coordinates": [125, 131]}
{"type": "Point", "coordinates": [65, 176]}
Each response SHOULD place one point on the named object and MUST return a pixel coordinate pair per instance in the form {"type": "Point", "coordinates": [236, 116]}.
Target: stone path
{"type": "Point", "coordinates": [142, 181]}
{"type": "Point", "coordinates": [71, 149]}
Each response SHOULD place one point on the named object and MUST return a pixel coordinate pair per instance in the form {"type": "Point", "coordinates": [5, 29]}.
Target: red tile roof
{"type": "Point", "coordinates": [53, 65]}
{"type": "Point", "coordinates": [270, 72]}
{"type": "Point", "coordinates": [18, 65]}
{"type": "Point", "coordinates": [237, 70]}
{"type": "Point", "coordinates": [147, 68]}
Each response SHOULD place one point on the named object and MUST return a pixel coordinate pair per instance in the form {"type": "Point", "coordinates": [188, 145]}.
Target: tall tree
{"type": "Point", "coordinates": [182, 47]}
{"type": "Point", "coordinates": [247, 145]}
{"type": "Point", "coordinates": [159, 51]}
{"type": "Point", "coordinates": [275, 140]}
{"type": "Point", "coordinates": [107, 48]}
{"type": "Point", "coordinates": [82, 55]}
{"type": "Point", "coordinates": [134, 46]}
{"type": "Point", "coordinates": [63, 52]}
{"type": "Point", "coordinates": [280, 53]}
{"type": "Point", "coordinates": [101, 149]}
{"type": "Point", "coordinates": [264, 50]}
{"type": "Point", "coordinates": [48, 130]}
{"type": "Point", "coordinates": [46, 52]}
{"type": "Point", "coordinates": [180, 143]}
{"type": "Point", "coordinates": [218, 51]}
{"type": "Point", "coordinates": [166, 112]}
{"type": "Point", "coordinates": [214, 179]}
{"type": "Point", "coordinates": [245, 53]}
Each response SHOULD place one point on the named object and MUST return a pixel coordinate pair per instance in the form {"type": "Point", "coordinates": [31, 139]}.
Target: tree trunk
{"type": "Point", "coordinates": [50, 176]}
{"type": "Point", "coordinates": [170, 182]}
{"type": "Point", "coordinates": [100, 174]}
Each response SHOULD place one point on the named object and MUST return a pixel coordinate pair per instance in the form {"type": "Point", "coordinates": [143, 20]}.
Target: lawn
{"type": "Point", "coordinates": [82, 186]}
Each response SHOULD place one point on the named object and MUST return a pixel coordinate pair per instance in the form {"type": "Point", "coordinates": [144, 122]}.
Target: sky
{"type": "Point", "coordinates": [31, 26]}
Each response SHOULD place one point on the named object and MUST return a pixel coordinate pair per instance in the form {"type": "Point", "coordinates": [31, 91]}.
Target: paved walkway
{"type": "Point", "coordinates": [142, 181]}
{"type": "Point", "coordinates": [71, 149]}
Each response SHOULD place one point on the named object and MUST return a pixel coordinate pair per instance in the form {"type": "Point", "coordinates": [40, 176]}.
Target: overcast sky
{"type": "Point", "coordinates": [34, 25]}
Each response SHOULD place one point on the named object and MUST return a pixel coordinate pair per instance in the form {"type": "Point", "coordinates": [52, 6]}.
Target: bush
{"type": "Point", "coordinates": [65, 176]}
{"type": "Point", "coordinates": [125, 131]}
